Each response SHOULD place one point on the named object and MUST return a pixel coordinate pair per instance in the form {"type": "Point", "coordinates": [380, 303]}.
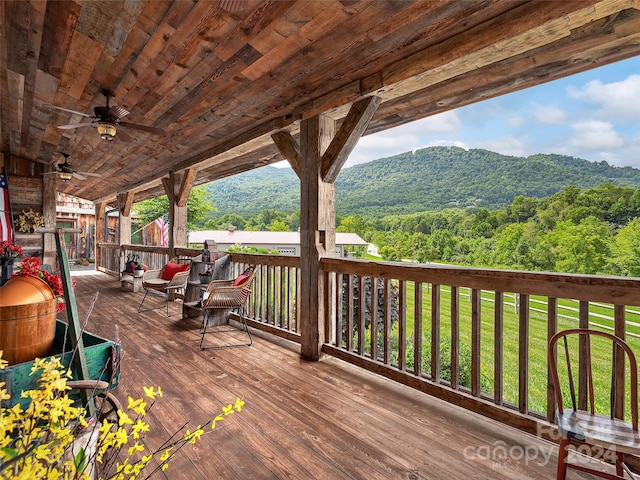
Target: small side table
{"type": "Point", "coordinates": [130, 282]}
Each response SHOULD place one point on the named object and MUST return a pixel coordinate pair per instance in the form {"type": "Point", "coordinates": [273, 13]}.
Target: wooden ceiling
{"type": "Point", "coordinates": [221, 77]}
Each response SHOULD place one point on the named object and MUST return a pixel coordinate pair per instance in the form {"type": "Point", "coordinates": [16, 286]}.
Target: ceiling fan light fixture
{"type": "Point", "coordinates": [107, 130]}
{"type": "Point", "coordinates": [66, 176]}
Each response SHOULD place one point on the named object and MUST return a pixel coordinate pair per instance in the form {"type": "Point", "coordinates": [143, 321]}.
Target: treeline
{"type": "Point", "coordinates": [594, 231]}
{"type": "Point", "coordinates": [428, 179]}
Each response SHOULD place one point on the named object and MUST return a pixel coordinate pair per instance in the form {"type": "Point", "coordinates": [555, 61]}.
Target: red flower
{"type": "Point", "coordinates": [9, 249]}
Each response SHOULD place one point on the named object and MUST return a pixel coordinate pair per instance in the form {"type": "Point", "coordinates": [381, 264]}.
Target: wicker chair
{"type": "Point", "coordinates": [172, 285]}
{"type": "Point", "coordinates": [227, 295]}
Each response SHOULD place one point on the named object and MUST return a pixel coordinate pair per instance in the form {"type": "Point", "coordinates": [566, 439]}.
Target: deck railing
{"type": "Point", "coordinates": [476, 338]}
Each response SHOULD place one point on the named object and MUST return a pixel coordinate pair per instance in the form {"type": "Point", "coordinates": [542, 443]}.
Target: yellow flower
{"type": "Point", "coordinates": [192, 437]}
{"type": "Point", "coordinates": [151, 393]}
{"type": "Point", "coordinates": [239, 404]}
{"type": "Point", "coordinates": [137, 405]}
{"type": "Point", "coordinates": [123, 418]}
{"type": "Point", "coordinates": [138, 427]}
{"type": "Point", "coordinates": [228, 410]}
{"type": "Point", "coordinates": [136, 447]}
{"type": "Point", "coordinates": [217, 418]}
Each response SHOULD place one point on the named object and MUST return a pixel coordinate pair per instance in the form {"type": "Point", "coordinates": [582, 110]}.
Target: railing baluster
{"type": "Point", "coordinates": [340, 313]}
{"type": "Point", "coordinates": [386, 337]}
{"type": "Point", "coordinates": [402, 325]}
{"type": "Point", "coordinates": [619, 368]}
{"type": "Point", "coordinates": [523, 357]}
{"type": "Point", "coordinates": [435, 333]}
{"type": "Point", "coordinates": [498, 348]}
{"type": "Point", "coordinates": [350, 313]}
{"type": "Point", "coordinates": [583, 372]}
{"type": "Point", "coordinates": [361, 314]}
{"type": "Point", "coordinates": [455, 337]}
{"type": "Point", "coordinates": [475, 341]}
{"type": "Point", "coordinates": [373, 322]}
{"type": "Point", "coordinates": [417, 330]}
{"type": "Point", "coordinates": [552, 328]}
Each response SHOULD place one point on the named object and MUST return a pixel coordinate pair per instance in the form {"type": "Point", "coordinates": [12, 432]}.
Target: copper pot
{"type": "Point", "coordinates": [24, 289]}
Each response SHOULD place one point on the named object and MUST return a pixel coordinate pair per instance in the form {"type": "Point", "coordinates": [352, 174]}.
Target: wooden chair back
{"type": "Point", "coordinates": [574, 346]}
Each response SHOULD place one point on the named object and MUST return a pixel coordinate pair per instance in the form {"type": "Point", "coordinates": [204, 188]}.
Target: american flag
{"type": "Point", "coordinates": [161, 223]}
{"type": "Point", "coordinates": [6, 228]}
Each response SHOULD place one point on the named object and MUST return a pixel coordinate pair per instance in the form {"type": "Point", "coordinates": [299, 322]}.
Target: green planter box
{"type": "Point", "coordinates": [103, 363]}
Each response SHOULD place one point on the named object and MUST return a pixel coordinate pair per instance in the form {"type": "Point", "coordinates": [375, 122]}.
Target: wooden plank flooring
{"type": "Point", "coordinates": [301, 420]}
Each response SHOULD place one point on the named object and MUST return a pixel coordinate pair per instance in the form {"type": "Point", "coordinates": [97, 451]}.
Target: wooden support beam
{"type": "Point", "coordinates": [290, 149]}
{"type": "Point", "coordinates": [186, 184]}
{"type": "Point", "coordinates": [317, 232]}
{"type": "Point", "coordinates": [125, 202]}
{"type": "Point", "coordinates": [100, 232]}
{"type": "Point", "coordinates": [354, 125]}
{"type": "Point", "coordinates": [49, 213]}
{"type": "Point", "coordinates": [178, 187]}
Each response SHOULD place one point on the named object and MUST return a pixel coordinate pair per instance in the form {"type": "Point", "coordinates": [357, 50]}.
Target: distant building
{"type": "Point", "coordinates": [287, 243]}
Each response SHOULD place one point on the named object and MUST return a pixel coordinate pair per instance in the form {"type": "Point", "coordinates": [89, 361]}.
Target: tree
{"type": "Point", "coordinates": [626, 249]}
{"type": "Point", "coordinates": [582, 248]}
{"type": "Point", "coordinates": [198, 206]}
{"type": "Point", "coordinates": [353, 224]}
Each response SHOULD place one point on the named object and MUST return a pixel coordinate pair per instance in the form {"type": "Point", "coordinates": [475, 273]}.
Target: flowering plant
{"type": "Point", "coordinates": [9, 249]}
{"type": "Point", "coordinates": [32, 266]}
{"type": "Point", "coordinates": [48, 438]}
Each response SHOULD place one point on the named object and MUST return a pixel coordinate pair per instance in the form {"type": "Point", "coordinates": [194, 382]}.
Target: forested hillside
{"type": "Point", "coordinates": [428, 179]}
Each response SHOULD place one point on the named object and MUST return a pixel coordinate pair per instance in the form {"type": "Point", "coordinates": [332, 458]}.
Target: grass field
{"type": "Point", "coordinates": [600, 317]}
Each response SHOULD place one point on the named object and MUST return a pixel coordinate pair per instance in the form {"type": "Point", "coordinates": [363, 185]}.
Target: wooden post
{"type": "Point", "coordinates": [100, 232]}
{"type": "Point", "coordinates": [125, 202]}
{"type": "Point", "coordinates": [323, 153]}
{"type": "Point", "coordinates": [178, 187]}
{"type": "Point", "coordinates": [317, 231]}
{"type": "Point", "coordinates": [49, 213]}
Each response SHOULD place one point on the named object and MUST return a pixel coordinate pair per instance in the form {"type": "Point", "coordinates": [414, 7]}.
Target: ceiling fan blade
{"type": "Point", "coordinates": [233, 5]}
{"type": "Point", "coordinates": [144, 128]}
{"type": "Point", "coordinates": [66, 110]}
{"type": "Point", "coordinates": [124, 136]}
{"type": "Point", "coordinates": [74, 125]}
{"type": "Point", "coordinates": [117, 112]}
{"type": "Point", "coordinates": [78, 176]}
{"type": "Point", "coordinates": [88, 174]}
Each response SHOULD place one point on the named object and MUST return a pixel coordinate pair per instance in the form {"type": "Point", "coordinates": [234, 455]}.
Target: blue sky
{"type": "Point", "coordinates": [593, 115]}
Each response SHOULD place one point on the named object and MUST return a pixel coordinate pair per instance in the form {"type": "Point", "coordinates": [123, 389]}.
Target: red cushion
{"type": "Point", "coordinates": [240, 279]}
{"type": "Point", "coordinates": [170, 269]}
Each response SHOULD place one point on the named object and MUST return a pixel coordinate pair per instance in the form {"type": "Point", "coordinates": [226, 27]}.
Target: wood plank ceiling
{"type": "Point", "coordinates": [221, 77]}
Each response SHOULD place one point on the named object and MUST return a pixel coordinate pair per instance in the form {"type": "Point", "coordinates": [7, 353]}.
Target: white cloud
{"type": "Point", "coordinates": [549, 115]}
{"type": "Point", "coordinates": [594, 135]}
{"type": "Point", "coordinates": [516, 121]}
{"type": "Point", "coordinates": [615, 100]}
{"type": "Point", "coordinates": [506, 145]}
{"type": "Point", "coordinates": [403, 138]}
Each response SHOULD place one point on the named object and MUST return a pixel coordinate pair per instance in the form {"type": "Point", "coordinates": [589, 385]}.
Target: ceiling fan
{"type": "Point", "coordinates": [107, 121]}
{"type": "Point", "coordinates": [66, 172]}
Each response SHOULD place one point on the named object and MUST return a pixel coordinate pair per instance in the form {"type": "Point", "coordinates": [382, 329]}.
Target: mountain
{"type": "Point", "coordinates": [427, 179]}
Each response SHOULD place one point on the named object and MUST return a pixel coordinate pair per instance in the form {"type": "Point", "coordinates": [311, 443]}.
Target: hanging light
{"type": "Point", "coordinates": [66, 176]}
{"type": "Point", "coordinates": [107, 130]}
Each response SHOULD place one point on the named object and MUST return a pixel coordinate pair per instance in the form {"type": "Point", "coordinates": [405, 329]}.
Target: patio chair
{"type": "Point", "coordinates": [227, 295]}
{"type": "Point", "coordinates": [606, 437]}
{"type": "Point", "coordinates": [171, 280]}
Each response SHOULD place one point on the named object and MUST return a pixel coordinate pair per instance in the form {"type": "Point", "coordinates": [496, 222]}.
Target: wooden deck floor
{"type": "Point", "coordinates": [301, 420]}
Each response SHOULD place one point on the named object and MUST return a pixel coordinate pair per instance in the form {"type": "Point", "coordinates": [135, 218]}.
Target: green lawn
{"type": "Point", "coordinates": [600, 317]}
